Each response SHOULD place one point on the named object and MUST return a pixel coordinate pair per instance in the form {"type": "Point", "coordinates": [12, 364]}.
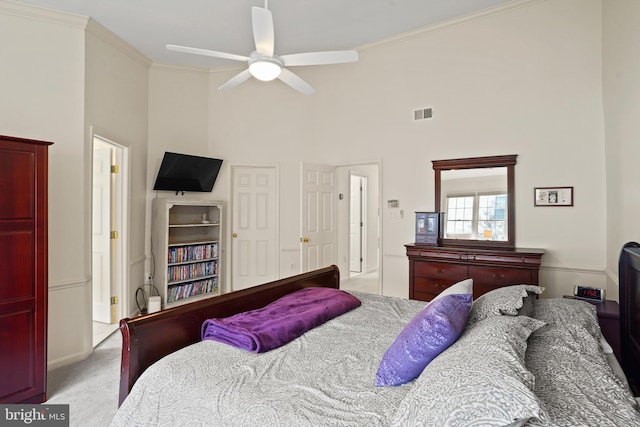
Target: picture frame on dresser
{"type": "Point", "coordinates": [429, 228]}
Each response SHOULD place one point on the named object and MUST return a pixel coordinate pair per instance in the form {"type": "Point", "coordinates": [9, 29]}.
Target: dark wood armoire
{"type": "Point", "coordinates": [23, 270]}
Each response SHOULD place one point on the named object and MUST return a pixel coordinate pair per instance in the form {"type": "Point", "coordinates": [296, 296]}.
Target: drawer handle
{"type": "Point", "coordinates": [438, 285]}
{"type": "Point", "coordinates": [498, 276]}
{"type": "Point", "coordinates": [438, 270]}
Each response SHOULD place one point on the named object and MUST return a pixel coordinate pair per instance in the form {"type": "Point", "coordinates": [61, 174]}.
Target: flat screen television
{"type": "Point", "coordinates": [184, 172]}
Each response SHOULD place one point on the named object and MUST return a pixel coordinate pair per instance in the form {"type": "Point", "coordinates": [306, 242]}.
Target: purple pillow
{"type": "Point", "coordinates": [427, 335]}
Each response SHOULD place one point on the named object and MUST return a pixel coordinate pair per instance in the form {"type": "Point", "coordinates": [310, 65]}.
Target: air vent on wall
{"type": "Point", "coordinates": [423, 114]}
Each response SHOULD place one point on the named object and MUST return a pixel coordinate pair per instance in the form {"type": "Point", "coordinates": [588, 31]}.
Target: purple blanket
{"type": "Point", "coordinates": [281, 321]}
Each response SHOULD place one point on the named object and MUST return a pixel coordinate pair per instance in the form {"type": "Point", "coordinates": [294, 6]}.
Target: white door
{"type": "Point", "coordinates": [254, 243]}
{"type": "Point", "coordinates": [101, 226]}
{"type": "Point", "coordinates": [356, 224]}
{"type": "Point", "coordinates": [319, 236]}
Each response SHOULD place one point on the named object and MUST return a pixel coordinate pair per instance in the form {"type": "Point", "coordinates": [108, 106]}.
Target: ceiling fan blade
{"type": "Point", "coordinates": [320, 58]}
{"type": "Point", "coordinates": [263, 33]}
{"type": "Point", "coordinates": [296, 82]}
{"type": "Point", "coordinates": [236, 80]}
{"type": "Point", "coordinates": [206, 52]}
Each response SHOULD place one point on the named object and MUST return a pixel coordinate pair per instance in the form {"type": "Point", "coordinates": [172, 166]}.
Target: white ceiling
{"type": "Point", "coordinates": [225, 25]}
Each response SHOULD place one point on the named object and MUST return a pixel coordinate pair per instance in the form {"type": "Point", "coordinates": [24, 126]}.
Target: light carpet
{"type": "Point", "coordinates": [90, 387]}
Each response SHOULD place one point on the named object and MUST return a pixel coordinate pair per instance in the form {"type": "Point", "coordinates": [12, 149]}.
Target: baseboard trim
{"type": "Point", "coordinates": [68, 360]}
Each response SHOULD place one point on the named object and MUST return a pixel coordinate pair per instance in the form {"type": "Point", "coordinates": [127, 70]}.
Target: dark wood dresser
{"type": "Point", "coordinates": [23, 263]}
{"type": "Point", "coordinates": [432, 269]}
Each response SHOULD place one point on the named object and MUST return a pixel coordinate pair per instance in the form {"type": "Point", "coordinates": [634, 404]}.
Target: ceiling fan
{"type": "Point", "coordinates": [264, 63]}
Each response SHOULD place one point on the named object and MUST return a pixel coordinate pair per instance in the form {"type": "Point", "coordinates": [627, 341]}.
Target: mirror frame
{"type": "Point", "coordinates": [508, 161]}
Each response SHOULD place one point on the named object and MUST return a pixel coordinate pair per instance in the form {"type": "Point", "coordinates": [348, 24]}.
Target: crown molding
{"type": "Point", "coordinates": [103, 33]}
{"type": "Point", "coordinates": [37, 13]}
{"type": "Point", "coordinates": [492, 11]}
{"type": "Point", "coordinates": [87, 24]}
{"type": "Point", "coordinates": [173, 67]}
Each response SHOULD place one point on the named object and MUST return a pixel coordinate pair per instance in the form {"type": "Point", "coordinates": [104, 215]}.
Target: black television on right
{"type": "Point", "coordinates": [184, 172]}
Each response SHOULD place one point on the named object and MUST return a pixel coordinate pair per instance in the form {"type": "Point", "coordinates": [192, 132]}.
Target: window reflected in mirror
{"type": "Point", "coordinates": [475, 204]}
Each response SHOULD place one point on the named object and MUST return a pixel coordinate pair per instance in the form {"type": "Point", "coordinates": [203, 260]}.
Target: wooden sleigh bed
{"type": "Point", "coordinates": [148, 338]}
{"type": "Point", "coordinates": [168, 345]}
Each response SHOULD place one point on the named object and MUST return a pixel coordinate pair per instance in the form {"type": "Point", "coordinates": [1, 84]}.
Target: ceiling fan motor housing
{"type": "Point", "coordinates": [265, 68]}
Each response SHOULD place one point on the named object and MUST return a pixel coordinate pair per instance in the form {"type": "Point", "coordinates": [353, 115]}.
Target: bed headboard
{"type": "Point", "coordinates": [629, 284]}
{"type": "Point", "coordinates": [148, 338]}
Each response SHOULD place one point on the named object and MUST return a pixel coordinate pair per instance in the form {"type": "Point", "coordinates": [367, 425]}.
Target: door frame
{"type": "Point", "coordinates": [346, 170]}
{"type": "Point", "coordinates": [343, 172]}
{"type": "Point", "coordinates": [121, 217]}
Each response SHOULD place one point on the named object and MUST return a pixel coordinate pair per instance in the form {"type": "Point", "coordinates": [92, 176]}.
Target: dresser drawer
{"type": "Point", "coordinates": [497, 276]}
{"type": "Point", "coordinates": [423, 296]}
{"type": "Point", "coordinates": [440, 270]}
{"type": "Point", "coordinates": [432, 269]}
{"type": "Point", "coordinates": [430, 287]}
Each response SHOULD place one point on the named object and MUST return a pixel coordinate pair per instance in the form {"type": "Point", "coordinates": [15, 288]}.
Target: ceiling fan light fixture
{"type": "Point", "coordinates": [264, 64]}
{"type": "Point", "coordinates": [265, 69]}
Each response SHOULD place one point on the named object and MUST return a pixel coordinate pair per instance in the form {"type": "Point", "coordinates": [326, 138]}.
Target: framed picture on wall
{"type": "Point", "coordinates": [553, 196]}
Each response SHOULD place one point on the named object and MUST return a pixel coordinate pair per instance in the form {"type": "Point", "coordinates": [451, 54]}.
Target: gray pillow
{"type": "Point", "coordinates": [507, 300]}
{"type": "Point", "coordinates": [528, 305]}
{"type": "Point", "coordinates": [479, 380]}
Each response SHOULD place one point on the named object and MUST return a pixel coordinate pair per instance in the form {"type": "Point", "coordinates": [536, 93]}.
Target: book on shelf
{"type": "Point", "coordinates": [190, 289]}
{"type": "Point", "coordinates": [177, 273]}
{"type": "Point", "coordinates": [186, 253]}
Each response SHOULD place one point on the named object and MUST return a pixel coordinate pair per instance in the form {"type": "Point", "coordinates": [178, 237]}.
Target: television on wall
{"type": "Point", "coordinates": [184, 172]}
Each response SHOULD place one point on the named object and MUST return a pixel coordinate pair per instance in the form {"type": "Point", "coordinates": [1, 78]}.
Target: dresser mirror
{"type": "Point", "coordinates": [476, 196]}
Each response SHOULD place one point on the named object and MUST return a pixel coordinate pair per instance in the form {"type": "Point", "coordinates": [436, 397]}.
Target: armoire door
{"type": "Point", "coordinates": [23, 263]}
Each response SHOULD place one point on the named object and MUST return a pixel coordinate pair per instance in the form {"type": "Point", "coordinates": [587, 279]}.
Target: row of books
{"type": "Point", "coordinates": [193, 252]}
{"type": "Point", "coordinates": [191, 271]}
{"type": "Point", "coordinates": [190, 289]}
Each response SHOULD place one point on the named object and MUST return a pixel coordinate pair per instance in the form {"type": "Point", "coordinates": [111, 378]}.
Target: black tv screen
{"type": "Point", "coordinates": [184, 172]}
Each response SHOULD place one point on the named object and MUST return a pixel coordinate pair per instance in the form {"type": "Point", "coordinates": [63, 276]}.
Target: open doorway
{"type": "Point", "coordinates": [325, 216]}
{"type": "Point", "coordinates": [362, 189]}
{"type": "Point", "coordinates": [109, 234]}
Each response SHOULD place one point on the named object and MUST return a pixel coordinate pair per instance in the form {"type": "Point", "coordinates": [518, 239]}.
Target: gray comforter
{"type": "Point", "coordinates": [326, 377]}
{"type": "Point", "coordinates": [576, 385]}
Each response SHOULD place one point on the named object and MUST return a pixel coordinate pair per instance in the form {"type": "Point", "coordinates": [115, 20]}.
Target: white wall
{"type": "Point", "coordinates": [621, 87]}
{"type": "Point", "coordinates": [117, 97]}
{"type": "Point", "coordinates": [43, 98]}
{"type": "Point", "coordinates": [523, 80]}
{"type": "Point", "coordinates": [178, 112]}
{"type": "Point", "coordinates": [63, 75]}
